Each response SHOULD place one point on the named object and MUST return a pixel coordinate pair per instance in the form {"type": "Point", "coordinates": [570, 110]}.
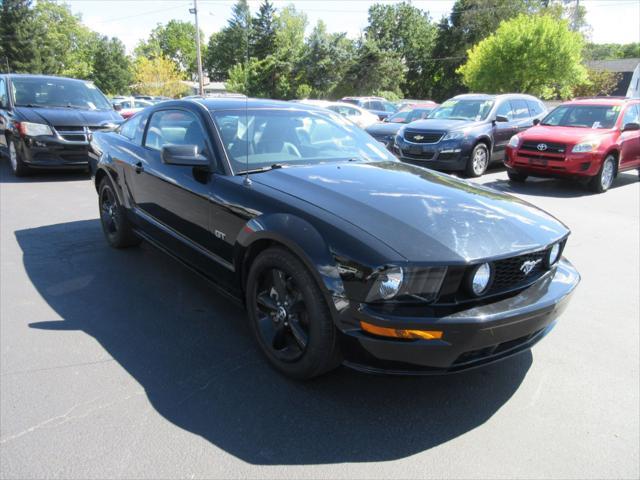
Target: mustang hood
{"type": "Point", "coordinates": [423, 215]}
{"type": "Point", "coordinates": [68, 116]}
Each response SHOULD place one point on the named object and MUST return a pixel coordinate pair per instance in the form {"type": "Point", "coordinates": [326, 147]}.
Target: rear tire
{"type": "Point", "coordinates": [289, 316]}
{"type": "Point", "coordinates": [113, 217]}
{"type": "Point", "coordinates": [18, 167]}
{"type": "Point", "coordinates": [604, 178]}
{"type": "Point", "coordinates": [478, 161]}
{"type": "Point", "coordinates": [517, 177]}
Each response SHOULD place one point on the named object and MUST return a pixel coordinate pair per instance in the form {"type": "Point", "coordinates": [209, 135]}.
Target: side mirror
{"type": "Point", "coordinates": [501, 119]}
{"type": "Point", "coordinates": [385, 119]}
{"type": "Point", "coordinates": [185, 155]}
{"type": "Point", "coordinates": [117, 107]}
{"type": "Point", "coordinates": [631, 127]}
{"type": "Point", "coordinates": [536, 121]}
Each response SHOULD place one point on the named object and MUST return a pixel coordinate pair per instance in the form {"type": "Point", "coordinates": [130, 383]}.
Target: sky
{"type": "Point", "coordinates": [612, 21]}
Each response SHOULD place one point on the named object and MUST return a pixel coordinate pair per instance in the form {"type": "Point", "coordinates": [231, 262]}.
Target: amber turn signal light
{"type": "Point", "coordinates": [400, 333]}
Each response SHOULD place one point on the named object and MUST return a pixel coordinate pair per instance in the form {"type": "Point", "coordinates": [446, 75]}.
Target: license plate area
{"type": "Point", "coordinates": [541, 162]}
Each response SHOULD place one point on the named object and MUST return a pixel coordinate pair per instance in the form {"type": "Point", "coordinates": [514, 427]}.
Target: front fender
{"type": "Point", "coordinates": [304, 240]}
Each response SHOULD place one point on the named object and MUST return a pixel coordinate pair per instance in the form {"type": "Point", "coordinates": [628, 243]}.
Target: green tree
{"type": "Point", "coordinates": [547, 54]}
{"type": "Point", "coordinates": [325, 60]}
{"type": "Point", "coordinates": [17, 37]}
{"type": "Point", "coordinates": [263, 34]}
{"type": "Point", "coordinates": [176, 41]}
{"type": "Point", "coordinates": [608, 51]}
{"type": "Point", "coordinates": [407, 31]}
{"type": "Point", "coordinates": [374, 71]}
{"type": "Point", "coordinates": [66, 46]}
{"type": "Point", "coordinates": [230, 46]}
{"type": "Point", "coordinates": [111, 66]}
{"type": "Point", "coordinates": [597, 82]}
{"type": "Point", "coordinates": [158, 76]}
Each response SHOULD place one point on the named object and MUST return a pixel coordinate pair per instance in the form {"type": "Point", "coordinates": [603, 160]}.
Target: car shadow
{"type": "Point", "coordinates": [557, 187]}
{"type": "Point", "coordinates": [36, 176]}
{"type": "Point", "coordinates": [191, 351]}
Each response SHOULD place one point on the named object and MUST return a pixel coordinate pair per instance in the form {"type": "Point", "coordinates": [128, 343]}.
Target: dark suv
{"type": "Point", "coordinates": [467, 132]}
{"type": "Point", "coordinates": [46, 122]}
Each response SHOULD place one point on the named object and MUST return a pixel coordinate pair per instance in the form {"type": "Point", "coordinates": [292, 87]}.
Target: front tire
{"type": "Point", "coordinates": [18, 167]}
{"type": "Point", "coordinates": [517, 177]}
{"type": "Point", "coordinates": [604, 178]}
{"type": "Point", "coordinates": [289, 316]}
{"type": "Point", "coordinates": [115, 224]}
{"type": "Point", "coordinates": [478, 161]}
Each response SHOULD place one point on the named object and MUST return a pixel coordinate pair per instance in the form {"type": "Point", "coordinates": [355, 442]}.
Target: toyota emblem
{"type": "Point", "coordinates": [542, 147]}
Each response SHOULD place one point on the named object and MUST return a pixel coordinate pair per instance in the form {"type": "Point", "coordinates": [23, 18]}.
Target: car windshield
{"type": "Point", "coordinates": [469, 110]}
{"type": "Point", "coordinates": [260, 138]}
{"type": "Point", "coordinates": [583, 116]}
{"type": "Point", "coordinates": [57, 92]}
{"type": "Point", "coordinates": [407, 115]}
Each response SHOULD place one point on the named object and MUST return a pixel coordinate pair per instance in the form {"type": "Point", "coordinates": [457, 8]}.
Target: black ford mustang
{"type": "Point", "coordinates": [339, 252]}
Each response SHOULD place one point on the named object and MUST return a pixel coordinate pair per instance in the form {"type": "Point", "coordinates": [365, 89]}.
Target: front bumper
{"type": "Point", "coordinates": [471, 338]}
{"type": "Point", "coordinates": [51, 152]}
{"type": "Point", "coordinates": [448, 156]}
{"type": "Point", "coordinates": [571, 165]}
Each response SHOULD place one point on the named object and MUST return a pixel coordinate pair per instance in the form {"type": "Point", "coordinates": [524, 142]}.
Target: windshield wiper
{"type": "Point", "coordinates": [261, 169]}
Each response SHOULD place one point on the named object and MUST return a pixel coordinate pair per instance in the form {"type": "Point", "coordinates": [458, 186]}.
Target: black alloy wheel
{"type": "Point", "coordinates": [115, 225]}
{"type": "Point", "coordinates": [283, 321]}
{"type": "Point", "coordinates": [289, 316]}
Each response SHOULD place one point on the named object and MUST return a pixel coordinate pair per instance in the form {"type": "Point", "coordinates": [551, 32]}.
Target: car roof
{"type": "Point", "coordinates": [240, 103]}
{"type": "Point", "coordinates": [44, 77]}
{"type": "Point", "coordinates": [491, 96]}
{"type": "Point", "coordinates": [611, 101]}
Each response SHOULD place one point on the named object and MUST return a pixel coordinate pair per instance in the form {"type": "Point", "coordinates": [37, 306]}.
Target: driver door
{"type": "Point", "coordinates": [503, 131]}
{"type": "Point", "coordinates": [630, 140]}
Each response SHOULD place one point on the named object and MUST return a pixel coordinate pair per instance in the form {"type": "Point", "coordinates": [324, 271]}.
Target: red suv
{"type": "Point", "coordinates": [591, 138]}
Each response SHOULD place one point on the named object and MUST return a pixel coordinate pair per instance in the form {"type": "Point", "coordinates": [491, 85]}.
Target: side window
{"type": "Point", "coordinates": [352, 112]}
{"type": "Point", "coordinates": [129, 128]}
{"type": "Point", "coordinates": [174, 127]}
{"type": "Point", "coordinates": [376, 105]}
{"type": "Point", "coordinates": [631, 115]}
{"type": "Point", "coordinates": [520, 109]}
{"type": "Point", "coordinates": [505, 110]}
{"type": "Point", "coordinates": [4, 99]}
{"type": "Point", "coordinates": [535, 108]}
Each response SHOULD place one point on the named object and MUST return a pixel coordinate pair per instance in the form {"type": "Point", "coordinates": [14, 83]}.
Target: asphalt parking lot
{"type": "Point", "coordinates": [125, 364]}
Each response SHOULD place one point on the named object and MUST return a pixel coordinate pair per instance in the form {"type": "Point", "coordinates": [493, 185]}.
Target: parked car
{"type": "Point", "coordinates": [467, 132]}
{"type": "Point", "coordinates": [385, 132]}
{"type": "Point", "coordinates": [339, 252]}
{"type": "Point", "coordinates": [361, 117]}
{"type": "Point", "coordinates": [46, 122]}
{"type": "Point", "coordinates": [378, 105]}
{"type": "Point", "coordinates": [592, 139]}
{"type": "Point", "coordinates": [407, 102]}
{"type": "Point", "coordinates": [130, 107]}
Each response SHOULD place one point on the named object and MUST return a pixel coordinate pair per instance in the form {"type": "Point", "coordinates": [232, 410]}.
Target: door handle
{"type": "Point", "coordinates": [139, 167]}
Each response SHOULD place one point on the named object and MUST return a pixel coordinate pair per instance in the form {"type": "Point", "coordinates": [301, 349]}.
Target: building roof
{"type": "Point", "coordinates": [616, 65]}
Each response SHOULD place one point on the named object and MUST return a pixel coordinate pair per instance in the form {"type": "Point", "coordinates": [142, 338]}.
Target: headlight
{"type": "Point", "coordinates": [585, 147]}
{"type": "Point", "coordinates": [35, 129]}
{"type": "Point", "coordinates": [416, 284]}
{"type": "Point", "coordinates": [480, 279]}
{"type": "Point", "coordinates": [454, 136]}
{"type": "Point", "coordinates": [553, 255]}
{"type": "Point", "coordinates": [515, 141]}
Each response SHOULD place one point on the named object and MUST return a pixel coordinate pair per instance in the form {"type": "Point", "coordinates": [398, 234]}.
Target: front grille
{"type": "Point", "coordinates": [487, 353]}
{"type": "Point", "coordinates": [428, 155]}
{"type": "Point", "coordinates": [551, 147]}
{"type": "Point", "coordinates": [509, 274]}
{"type": "Point", "coordinates": [72, 133]}
{"type": "Point", "coordinates": [417, 136]}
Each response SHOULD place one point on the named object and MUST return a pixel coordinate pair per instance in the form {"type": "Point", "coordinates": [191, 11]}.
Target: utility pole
{"type": "Point", "coordinates": [576, 13]}
{"type": "Point", "coordinates": [194, 11]}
